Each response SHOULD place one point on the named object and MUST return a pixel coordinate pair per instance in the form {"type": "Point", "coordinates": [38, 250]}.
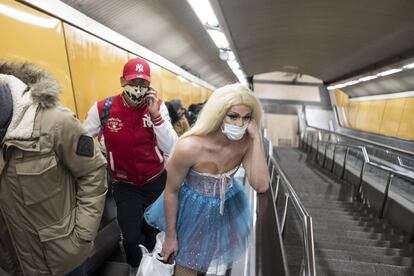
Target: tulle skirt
{"type": "Point", "coordinates": [207, 239]}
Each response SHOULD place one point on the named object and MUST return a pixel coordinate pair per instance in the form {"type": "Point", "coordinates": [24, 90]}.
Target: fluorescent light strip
{"type": "Point", "coordinates": [383, 97]}
{"type": "Point", "coordinates": [389, 72]}
{"type": "Point", "coordinates": [349, 83]}
{"type": "Point", "coordinates": [341, 85]}
{"type": "Point", "coordinates": [367, 78]}
{"type": "Point", "coordinates": [27, 17]}
{"type": "Point", "coordinates": [409, 66]}
{"type": "Point", "coordinates": [233, 64]}
{"type": "Point", "coordinates": [219, 39]}
{"type": "Point", "coordinates": [204, 12]}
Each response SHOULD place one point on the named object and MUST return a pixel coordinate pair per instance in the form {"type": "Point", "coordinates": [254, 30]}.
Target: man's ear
{"type": "Point", "coordinates": [123, 81]}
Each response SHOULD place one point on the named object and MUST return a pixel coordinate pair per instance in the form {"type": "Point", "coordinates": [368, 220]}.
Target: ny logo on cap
{"type": "Point", "coordinates": [139, 68]}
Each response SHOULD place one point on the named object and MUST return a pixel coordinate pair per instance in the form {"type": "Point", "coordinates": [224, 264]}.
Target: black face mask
{"type": "Point", "coordinates": [6, 109]}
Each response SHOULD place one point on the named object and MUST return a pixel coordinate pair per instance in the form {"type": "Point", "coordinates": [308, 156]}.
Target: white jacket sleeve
{"type": "Point", "coordinates": [93, 123]}
{"type": "Point", "coordinates": [164, 131]}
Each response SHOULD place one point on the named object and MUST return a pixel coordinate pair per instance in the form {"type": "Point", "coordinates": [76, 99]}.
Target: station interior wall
{"type": "Point", "coordinates": [390, 117]}
{"type": "Point", "coordinates": [282, 99]}
{"type": "Point", "coordinates": [88, 68]}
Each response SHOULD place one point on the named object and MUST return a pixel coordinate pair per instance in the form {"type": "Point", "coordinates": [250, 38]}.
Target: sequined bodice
{"type": "Point", "coordinates": [211, 184]}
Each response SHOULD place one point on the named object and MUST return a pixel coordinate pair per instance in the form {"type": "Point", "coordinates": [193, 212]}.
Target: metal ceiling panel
{"type": "Point", "coordinates": [330, 40]}
{"type": "Point", "coordinates": [324, 38]}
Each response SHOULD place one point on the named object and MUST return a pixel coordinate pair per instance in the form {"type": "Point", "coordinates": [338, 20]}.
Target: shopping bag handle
{"type": "Point", "coordinates": [161, 259]}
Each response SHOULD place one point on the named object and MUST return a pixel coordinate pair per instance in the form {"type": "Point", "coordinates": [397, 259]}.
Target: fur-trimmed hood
{"type": "Point", "coordinates": [45, 90]}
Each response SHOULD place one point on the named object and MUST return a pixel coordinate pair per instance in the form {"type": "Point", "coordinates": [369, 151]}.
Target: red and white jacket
{"type": "Point", "coordinates": [135, 143]}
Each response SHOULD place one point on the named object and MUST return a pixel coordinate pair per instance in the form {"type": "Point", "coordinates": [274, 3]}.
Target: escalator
{"type": "Point", "coordinates": [349, 237]}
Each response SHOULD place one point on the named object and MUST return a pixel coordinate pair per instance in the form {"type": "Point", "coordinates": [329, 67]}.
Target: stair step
{"type": "Point", "coordinates": [374, 250]}
{"type": "Point", "coordinates": [311, 200]}
{"type": "Point", "coordinates": [332, 221]}
{"type": "Point", "coordinates": [364, 228]}
{"type": "Point", "coordinates": [342, 215]}
{"type": "Point", "coordinates": [332, 254]}
{"type": "Point", "coordinates": [295, 270]}
{"type": "Point", "coordinates": [329, 254]}
{"type": "Point", "coordinates": [322, 233]}
{"type": "Point", "coordinates": [322, 198]}
{"type": "Point", "coordinates": [336, 207]}
{"type": "Point", "coordinates": [346, 220]}
{"type": "Point", "coordinates": [362, 267]}
{"type": "Point", "coordinates": [318, 197]}
{"type": "Point", "coordinates": [297, 240]}
{"type": "Point", "coordinates": [323, 272]}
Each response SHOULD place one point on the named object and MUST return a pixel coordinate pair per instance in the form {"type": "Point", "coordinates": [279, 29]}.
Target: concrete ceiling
{"type": "Point", "coordinates": [330, 40]}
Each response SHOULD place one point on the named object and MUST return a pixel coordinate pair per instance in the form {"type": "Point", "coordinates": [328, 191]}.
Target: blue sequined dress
{"type": "Point", "coordinates": [213, 220]}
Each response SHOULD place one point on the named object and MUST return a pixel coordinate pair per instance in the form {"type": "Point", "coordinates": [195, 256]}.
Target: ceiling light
{"type": "Point", "coordinates": [389, 72]}
{"type": "Point", "coordinates": [182, 79]}
{"type": "Point", "coordinates": [367, 78]}
{"type": "Point", "coordinates": [231, 55]}
{"type": "Point", "coordinates": [341, 85]}
{"type": "Point", "coordinates": [240, 75]}
{"type": "Point", "coordinates": [352, 82]}
{"type": "Point", "coordinates": [204, 12]}
{"type": "Point", "coordinates": [409, 66]}
{"type": "Point", "coordinates": [28, 17]}
{"type": "Point", "coordinates": [233, 64]}
{"type": "Point", "coordinates": [332, 87]}
{"type": "Point", "coordinates": [206, 15]}
{"type": "Point", "coordinates": [224, 55]}
{"type": "Point", "coordinates": [219, 39]}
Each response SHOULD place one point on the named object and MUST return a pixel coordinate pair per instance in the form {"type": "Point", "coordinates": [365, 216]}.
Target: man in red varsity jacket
{"type": "Point", "coordinates": [138, 134]}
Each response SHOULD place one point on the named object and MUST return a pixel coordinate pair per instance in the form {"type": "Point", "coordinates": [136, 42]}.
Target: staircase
{"type": "Point", "coordinates": [349, 238]}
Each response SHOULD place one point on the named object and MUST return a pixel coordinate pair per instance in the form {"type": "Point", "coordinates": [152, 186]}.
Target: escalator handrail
{"type": "Point", "coordinates": [381, 146]}
{"type": "Point", "coordinates": [405, 174]}
{"type": "Point", "coordinates": [310, 267]}
{"type": "Point", "coordinates": [366, 141]}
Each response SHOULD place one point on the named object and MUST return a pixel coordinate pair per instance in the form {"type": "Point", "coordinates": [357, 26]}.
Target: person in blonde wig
{"type": "Point", "coordinates": [214, 111]}
{"type": "Point", "coordinates": [204, 210]}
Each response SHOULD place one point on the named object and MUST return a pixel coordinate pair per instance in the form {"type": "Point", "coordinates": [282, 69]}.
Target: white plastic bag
{"type": "Point", "coordinates": [159, 241]}
{"type": "Point", "coordinates": [152, 263]}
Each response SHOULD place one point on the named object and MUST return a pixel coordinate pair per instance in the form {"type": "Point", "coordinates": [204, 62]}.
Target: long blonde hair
{"type": "Point", "coordinates": [213, 112]}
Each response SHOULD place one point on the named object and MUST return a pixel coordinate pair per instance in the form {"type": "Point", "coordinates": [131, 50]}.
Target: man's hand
{"type": "Point", "coordinates": [151, 101]}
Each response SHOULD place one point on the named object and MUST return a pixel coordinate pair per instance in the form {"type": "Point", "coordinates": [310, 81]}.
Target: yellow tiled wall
{"type": "Point", "coordinates": [169, 85]}
{"type": "Point", "coordinates": [156, 80]}
{"type": "Point", "coordinates": [390, 117]}
{"type": "Point", "coordinates": [406, 128]}
{"type": "Point", "coordinates": [87, 67]}
{"type": "Point", "coordinates": [96, 67]}
{"type": "Point", "coordinates": [24, 33]}
{"type": "Point", "coordinates": [185, 92]}
{"type": "Point", "coordinates": [195, 93]}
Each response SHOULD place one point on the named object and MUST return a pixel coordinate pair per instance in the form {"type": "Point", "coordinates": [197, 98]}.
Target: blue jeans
{"type": "Point", "coordinates": [79, 271]}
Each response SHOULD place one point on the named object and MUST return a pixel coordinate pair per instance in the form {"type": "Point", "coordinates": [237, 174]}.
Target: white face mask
{"type": "Point", "coordinates": [135, 93]}
{"type": "Point", "coordinates": [233, 132]}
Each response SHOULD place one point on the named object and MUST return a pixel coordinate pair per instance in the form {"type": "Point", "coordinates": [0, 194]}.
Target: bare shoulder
{"type": "Point", "coordinates": [189, 147]}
